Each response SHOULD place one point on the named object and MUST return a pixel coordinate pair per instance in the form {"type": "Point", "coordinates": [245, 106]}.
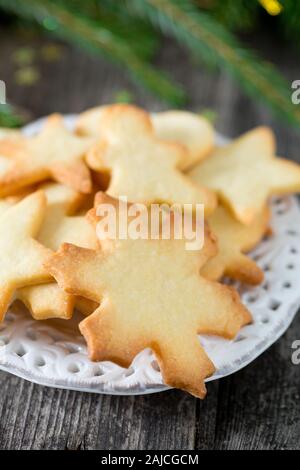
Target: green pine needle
{"type": "Point", "coordinates": [59, 20]}
{"type": "Point", "coordinates": [208, 39]}
{"type": "Point", "coordinates": [123, 96]}
{"type": "Point", "coordinates": [9, 117]}
{"type": "Point", "coordinates": [99, 27]}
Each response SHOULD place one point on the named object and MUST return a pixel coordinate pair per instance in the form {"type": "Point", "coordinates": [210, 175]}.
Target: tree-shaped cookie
{"type": "Point", "coordinates": [59, 226]}
{"type": "Point", "coordinates": [246, 172]}
{"type": "Point", "coordinates": [235, 239]}
{"type": "Point", "coordinates": [21, 256]}
{"type": "Point", "coordinates": [151, 295]}
{"type": "Point", "coordinates": [54, 153]}
{"type": "Point", "coordinates": [142, 168]}
{"type": "Point", "coordinates": [192, 131]}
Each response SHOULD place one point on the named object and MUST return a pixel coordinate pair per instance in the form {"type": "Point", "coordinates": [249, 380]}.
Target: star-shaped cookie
{"type": "Point", "coordinates": [21, 256]}
{"type": "Point", "coordinates": [235, 239]}
{"type": "Point", "coordinates": [151, 295]}
{"type": "Point", "coordinates": [48, 300]}
{"type": "Point", "coordinates": [54, 153]}
{"type": "Point", "coordinates": [142, 168]}
{"type": "Point", "coordinates": [45, 300]}
{"type": "Point", "coordinates": [246, 172]}
{"type": "Point", "coordinates": [192, 131]}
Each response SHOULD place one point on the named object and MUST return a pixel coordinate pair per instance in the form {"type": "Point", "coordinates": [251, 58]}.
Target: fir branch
{"type": "Point", "coordinates": [289, 21]}
{"type": "Point", "coordinates": [56, 18]}
{"type": "Point", "coordinates": [139, 35]}
{"type": "Point", "coordinates": [236, 15]}
{"type": "Point", "coordinates": [9, 117]}
{"type": "Point", "coordinates": [205, 37]}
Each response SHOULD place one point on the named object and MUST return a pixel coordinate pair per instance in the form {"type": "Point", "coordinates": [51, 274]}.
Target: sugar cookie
{"type": "Point", "coordinates": [151, 295]}
{"type": "Point", "coordinates": [245, 172]}
{"type": "Point", "coordinates": [235, 239]}
{"type": "Point", "coordinates": [142, 168]}
{"type": "Point", "coordinates": [53, 153]}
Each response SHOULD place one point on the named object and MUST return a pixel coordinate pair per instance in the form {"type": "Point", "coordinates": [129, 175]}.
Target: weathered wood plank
{"type": "Point", "coordinates": [35, 417]}
{"type": "Point", "coordinates": [259, 408]}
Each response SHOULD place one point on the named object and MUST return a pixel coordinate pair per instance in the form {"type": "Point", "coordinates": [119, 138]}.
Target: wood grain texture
{"type": "Point", "coordinates": [257, 408]}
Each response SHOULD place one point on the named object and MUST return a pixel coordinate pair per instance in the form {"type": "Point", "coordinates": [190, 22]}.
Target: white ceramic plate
{"type": "Point", "coordinates": [53, 352]}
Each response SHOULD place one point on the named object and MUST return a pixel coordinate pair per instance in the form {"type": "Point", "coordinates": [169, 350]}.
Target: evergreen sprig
{"type": "Point", "coordinates": [96, 37]}
{"type": "Point", "coordinates": [10, 117]}
{"type": "Point", "coordinates": [289, 21]}
{"type": "Point", "coordinates": [137, 34]}
{"type": "Point", "coordinates": [127, 32]}
{"type": "Point", "coordinates": [208, 39]}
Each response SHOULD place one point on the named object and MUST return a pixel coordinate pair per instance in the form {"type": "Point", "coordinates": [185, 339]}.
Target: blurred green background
{"type": "Point", "coordinates": [215, 35]}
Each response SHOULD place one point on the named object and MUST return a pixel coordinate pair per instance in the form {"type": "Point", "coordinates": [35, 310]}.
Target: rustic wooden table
{"type": "Point", "coordinates": [257, 408]}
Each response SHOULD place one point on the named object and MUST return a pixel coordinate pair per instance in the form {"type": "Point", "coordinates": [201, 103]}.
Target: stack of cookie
{"type": "Point", "coordinates": [136, 292]}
